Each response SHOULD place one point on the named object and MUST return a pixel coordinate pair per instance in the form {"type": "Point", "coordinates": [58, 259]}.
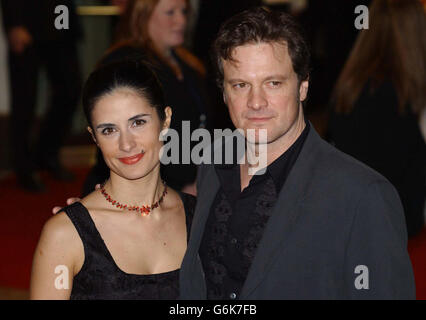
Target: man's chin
{"type": "Point", "coordinates": [257, 140]}
{"type": "Point", "coordinates": [257, 136]}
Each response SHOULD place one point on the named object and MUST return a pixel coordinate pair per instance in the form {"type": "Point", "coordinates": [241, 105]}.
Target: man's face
{"type": "Point", "coordinates": [262, 92]}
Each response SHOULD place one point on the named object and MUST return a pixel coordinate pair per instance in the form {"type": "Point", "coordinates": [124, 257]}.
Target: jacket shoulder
{"type": "Point", "coordinates": [343, 167]}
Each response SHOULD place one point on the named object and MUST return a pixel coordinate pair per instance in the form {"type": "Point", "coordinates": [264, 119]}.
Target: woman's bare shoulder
{"type": "Point", "coordinates": [60, 227]}
{"type": "Point", "coordinates": [59, 234]}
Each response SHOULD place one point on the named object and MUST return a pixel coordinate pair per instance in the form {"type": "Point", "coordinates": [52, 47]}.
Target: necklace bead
{"type": "Point", "coordinates": [144, 210]}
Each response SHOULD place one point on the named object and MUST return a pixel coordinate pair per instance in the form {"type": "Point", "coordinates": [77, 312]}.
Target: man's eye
{"type": "Point", "coordinates": [275, 83]}
{"type": "Point", "coordinates": [240, 85]}
{"type": "Point", "coordinates": [107, 131]}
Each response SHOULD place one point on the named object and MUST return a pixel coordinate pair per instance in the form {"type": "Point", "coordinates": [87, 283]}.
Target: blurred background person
{"type": "Point", "coordinates": [121, 4]}
{"type": "Point", "coordinates": [330, 29]}
{"type": "Point", "coordinates": [33, 41]}
{"type": "Point", "coordinates": [378, 98]}
{"type": "Point", "coordinates": [4, 83]}
{"type": "Point", "coordinates": [155, 30]}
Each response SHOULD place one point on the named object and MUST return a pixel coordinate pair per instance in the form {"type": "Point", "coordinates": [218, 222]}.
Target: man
{"type": "Point", "coordinates": [34, 41]}
{"type": "Point", "coordinates": [318, 224]}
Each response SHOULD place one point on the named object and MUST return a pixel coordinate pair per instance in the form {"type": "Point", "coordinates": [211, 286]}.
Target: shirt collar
{"type": "Point", "coordinates": [281, 167]}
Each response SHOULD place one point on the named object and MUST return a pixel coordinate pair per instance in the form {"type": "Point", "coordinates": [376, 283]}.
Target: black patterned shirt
{"type": "Point", "coordinates": [237, 220]}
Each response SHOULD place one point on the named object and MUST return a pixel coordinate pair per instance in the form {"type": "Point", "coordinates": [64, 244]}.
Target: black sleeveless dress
{"type": "Point", "coordinates": [101, 279]}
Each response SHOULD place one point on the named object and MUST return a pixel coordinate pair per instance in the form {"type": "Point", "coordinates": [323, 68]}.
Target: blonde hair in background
{"type": "Point", "coordinates": [133, 30]}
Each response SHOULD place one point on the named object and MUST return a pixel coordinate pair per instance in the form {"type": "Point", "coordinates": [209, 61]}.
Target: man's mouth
{"type": "Point", "coordinates": [259, 119]}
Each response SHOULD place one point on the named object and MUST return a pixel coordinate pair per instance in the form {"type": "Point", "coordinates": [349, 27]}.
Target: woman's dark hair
{"type": "Point", "coordinates": [258, 25]}
{"type": "Point", "coordinates": [131, 74]}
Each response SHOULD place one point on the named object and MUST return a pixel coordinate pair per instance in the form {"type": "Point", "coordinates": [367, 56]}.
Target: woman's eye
{"type": "Point", "coordinates": [170, 12]}
{"type": "Point", "coordinates": [138, 122]}
{"type": "Point", "coordinates": [107, 131]}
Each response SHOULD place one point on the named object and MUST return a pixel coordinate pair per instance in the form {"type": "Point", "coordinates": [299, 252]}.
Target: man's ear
{"type": "Point", "coordinates": [303, 90]}
{"type": "Point", "coordinates": [168, 112]}
{"type": "Point", "coordinates": [93, 135]}
{"type": "Point", "coordinates": [224, 96]}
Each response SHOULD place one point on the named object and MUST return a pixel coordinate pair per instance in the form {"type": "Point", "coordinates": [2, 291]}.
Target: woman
{"type": "Point", "coordinates": [154, 30]}
{"type": "Point", "coordinates": [378, 99]}
{"type": "Point", "coordinates": [127, 240]}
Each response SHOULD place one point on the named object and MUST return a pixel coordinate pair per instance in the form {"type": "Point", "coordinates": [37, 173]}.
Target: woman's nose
{"type": "Point", "coordinates": [180, 19]}
{"type": "Point", "coordinates": [127, 142]}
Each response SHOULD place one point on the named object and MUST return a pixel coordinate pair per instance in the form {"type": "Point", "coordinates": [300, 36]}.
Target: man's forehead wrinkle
{"type": "Point", "coordinates": [233, 71]}
{"type": "Point", "coordinates": [280, 45]}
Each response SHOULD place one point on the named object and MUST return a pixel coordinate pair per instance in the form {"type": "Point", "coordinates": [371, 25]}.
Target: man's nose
{"type": "Point", "coordinates": [257, 99]}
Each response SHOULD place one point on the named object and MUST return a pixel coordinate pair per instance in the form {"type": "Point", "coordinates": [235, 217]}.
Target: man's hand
{"type": "Point", "coordinates": [55, 210]}
{"type": "Point", "coordinates": [19, 39]}
{"type": "Point", "coordinates": [70, 201]}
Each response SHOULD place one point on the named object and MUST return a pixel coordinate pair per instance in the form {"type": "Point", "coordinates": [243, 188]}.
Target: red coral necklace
{"type": "Point", "coordinates": [143, 210]}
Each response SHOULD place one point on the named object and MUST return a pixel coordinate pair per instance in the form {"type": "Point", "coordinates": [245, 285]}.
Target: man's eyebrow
{"type": "Point", "coordinates": [235, 80]}
{"type": "Point", "coordinates": [276, 77]}
{"type": "Point", "coordinates": [271, 77]}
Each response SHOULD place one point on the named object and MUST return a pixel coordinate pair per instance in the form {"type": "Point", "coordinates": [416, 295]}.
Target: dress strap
{"type": "Point", "coordinates": [85, 227]}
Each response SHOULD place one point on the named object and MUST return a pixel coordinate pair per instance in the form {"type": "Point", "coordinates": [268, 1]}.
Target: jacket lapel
{"type": "Point", "coordinates": [284, 215]}
{"type": "Point", "coordinates": [205, 197]}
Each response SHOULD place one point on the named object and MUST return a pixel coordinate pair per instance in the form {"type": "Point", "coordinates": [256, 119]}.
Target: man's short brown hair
{"type": "Point", "coordinates": [261, 25]}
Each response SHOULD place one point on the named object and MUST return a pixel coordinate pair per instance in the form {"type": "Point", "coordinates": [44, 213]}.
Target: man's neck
{"type": "Point", "coordinates": [274, 149]}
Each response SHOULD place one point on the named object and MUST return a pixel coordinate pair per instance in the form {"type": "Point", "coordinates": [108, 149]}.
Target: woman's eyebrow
{"type": "Point", "coordinates": [139, 116]}
{"type": "Point", "coordinates": [104, 125]}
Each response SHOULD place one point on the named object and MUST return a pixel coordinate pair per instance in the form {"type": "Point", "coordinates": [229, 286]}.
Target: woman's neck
{"type": "Point", "coordinates": [164, 51]}
{"type": "Point", "coordinates": [140, 192]}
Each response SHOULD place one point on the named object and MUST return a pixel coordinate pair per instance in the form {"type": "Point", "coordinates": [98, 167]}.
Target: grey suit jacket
{"type": "Point", "coordinates": [337, 231]}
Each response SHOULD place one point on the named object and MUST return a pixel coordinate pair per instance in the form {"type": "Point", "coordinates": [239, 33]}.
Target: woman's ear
{"type": "Point", "coordinates": [93, 135]}
{"type": "Point", "coordinates": [168, 112]}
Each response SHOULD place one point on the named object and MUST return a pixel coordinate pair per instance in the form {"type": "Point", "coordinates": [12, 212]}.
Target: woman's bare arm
{"type": "Point", "coordinates": [55, 260]}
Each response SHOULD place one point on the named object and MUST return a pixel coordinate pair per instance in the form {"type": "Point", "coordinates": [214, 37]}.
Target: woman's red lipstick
{"type": "Point", "coordinates": [132, 159]}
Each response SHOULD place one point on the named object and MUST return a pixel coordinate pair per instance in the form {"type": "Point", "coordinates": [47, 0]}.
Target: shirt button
{"type": "Point", "coordinates": [234, 241]}
{"type": "Point", "coordinates": [233, 295]}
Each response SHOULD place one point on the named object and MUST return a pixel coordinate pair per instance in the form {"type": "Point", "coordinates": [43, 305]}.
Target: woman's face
{"type": "Point", "coordinates": [167, 24]}
{"type": "Point", "coordinates": [126, 128]}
